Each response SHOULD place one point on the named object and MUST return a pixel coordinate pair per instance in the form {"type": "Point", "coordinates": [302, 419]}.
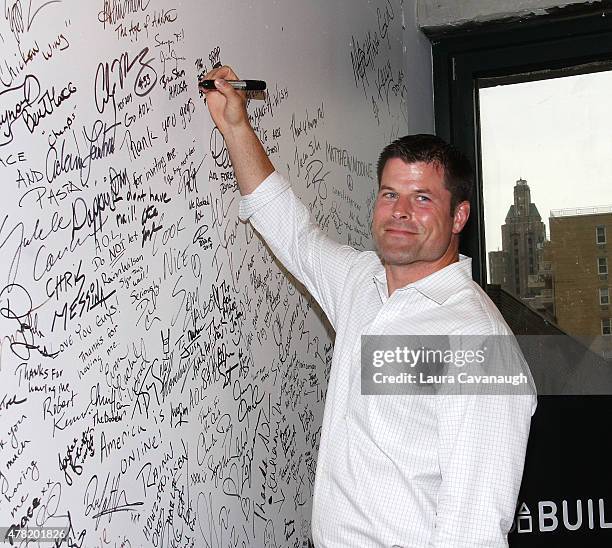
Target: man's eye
{"type": "Point", "coordinates": [389, 194]}
{"type": "Point", "coordinates": [422, 198]}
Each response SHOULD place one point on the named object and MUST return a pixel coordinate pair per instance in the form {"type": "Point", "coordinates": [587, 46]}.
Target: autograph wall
{"type": "Point", "coordinates": [161, 379]}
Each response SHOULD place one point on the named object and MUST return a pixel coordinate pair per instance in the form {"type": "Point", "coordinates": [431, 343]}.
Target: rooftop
{"type": "Point", "coordinates": [573, 211]}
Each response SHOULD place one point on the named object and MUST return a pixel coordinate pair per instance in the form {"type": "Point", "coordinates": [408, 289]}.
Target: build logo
{"type": "Point", "coordinates": [568, 515]}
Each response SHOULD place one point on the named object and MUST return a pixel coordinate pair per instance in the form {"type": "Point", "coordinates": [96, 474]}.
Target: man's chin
{"type": "Point", "coordinates": [396, 259]}
{"type": "Point", "coordinates": [392, 255]}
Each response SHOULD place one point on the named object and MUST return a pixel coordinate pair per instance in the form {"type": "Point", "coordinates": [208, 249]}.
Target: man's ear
{"type": "Point", "coordinates": [460, 217]}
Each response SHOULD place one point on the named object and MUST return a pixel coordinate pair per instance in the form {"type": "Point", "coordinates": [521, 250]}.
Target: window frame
{"type": "Point", "coordinates": [605, 235]}
{"type": "Point", "coordinates": [575, 36]}
{"type": "Point", "coordinates": [605, 295]}
{"type": "Point", "coordinates": [599, 271]}
{"type": "Point", "coordinates": [609, 327]}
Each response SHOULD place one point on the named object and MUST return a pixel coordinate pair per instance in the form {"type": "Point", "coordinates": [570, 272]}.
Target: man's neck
{"type": "Point", "coordinates": [403, 275]}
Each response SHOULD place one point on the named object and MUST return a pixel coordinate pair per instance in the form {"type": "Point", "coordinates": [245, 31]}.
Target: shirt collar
{"type": "Point", "coordinates": [438, 286]}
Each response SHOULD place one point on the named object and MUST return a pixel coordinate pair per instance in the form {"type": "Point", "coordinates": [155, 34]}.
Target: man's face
{"type": "Point", "coordinates": [412, 220]}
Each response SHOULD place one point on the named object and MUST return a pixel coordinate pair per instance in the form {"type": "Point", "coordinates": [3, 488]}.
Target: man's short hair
{"type": "Point", "coordinates": [458, 173]}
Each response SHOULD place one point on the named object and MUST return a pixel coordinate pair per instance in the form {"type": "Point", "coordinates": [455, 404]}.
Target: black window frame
{"type": "Point", "coordinates": [573, 37]}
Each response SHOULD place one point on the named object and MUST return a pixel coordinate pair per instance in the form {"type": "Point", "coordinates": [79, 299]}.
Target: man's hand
{"type": "Point", "coordinates": [228, 110]}
{"type": "Point", "coordinates": [226, 105]}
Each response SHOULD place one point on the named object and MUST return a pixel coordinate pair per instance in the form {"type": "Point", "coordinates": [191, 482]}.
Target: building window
{"type": "Point", "coordinates": [606, 328]}
{"type": "Point", "coordinates": [600, 234]}
{"type": "Point", "coordinates": [604, 297]}
{"type": "Point", "coordinates": [602, 265]}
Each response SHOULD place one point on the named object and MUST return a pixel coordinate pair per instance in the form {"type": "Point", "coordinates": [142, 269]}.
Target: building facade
{"type": "Point", "coordinates": [580, 257]}
{"type": "Point", "coordinates": [523, 237]}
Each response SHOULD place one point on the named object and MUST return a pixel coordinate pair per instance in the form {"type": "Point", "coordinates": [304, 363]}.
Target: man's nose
{"type": "Point", "coordinates": [402, 209]}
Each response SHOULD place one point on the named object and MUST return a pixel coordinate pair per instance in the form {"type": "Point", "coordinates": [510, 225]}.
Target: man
{"type": "Point", "coordinates": [409, 471]}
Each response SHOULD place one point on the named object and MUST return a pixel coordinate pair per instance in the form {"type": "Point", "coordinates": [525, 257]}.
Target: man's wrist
{"type": "Point", "coordinates": [238, 132]}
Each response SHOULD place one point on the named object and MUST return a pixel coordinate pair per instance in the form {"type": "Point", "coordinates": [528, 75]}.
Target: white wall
{"type": "Point", "coordinates": [161, 377]}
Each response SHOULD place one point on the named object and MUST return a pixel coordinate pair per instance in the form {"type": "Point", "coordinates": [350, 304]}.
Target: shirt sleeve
{"type": "Point", "coordinates": [318, 262]}
{"type": "Point", "coordinates": [482, 444]}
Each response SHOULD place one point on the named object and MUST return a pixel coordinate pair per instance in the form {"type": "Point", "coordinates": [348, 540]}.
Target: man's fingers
{"type": "Point", "coordinates": [223, 86]}
{"type": "Point", "coordinates": [228, 106]}
{"type": "Point", "coordinates": [220, 73]}
{"type": "Point", "coordinates": [233, 96]}
{"type": "Point", "coordinates": [224, 72]}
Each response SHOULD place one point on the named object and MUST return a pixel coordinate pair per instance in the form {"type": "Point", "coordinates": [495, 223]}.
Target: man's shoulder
{"type": "Point", "coordinates": [366, 264]}
{"type": "Point", "coordinates": [479, 314]}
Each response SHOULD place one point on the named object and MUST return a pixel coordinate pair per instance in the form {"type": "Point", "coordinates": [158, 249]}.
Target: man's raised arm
{"type": "Point", "coordinates": [228, 110]}
{"type": "Point", "coordinates": [272, 208]}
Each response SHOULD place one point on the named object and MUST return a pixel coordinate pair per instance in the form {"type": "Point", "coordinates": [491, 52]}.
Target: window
{"type": "Point", "coordinates": [526, 89]}
{"type": "Point", "coordinates": [602, 265]}
{"type": "Point", "coordinates": [604, 297]}
{"type": "Point", "coordinates": [606, 328]}
{"type": "Point", "coordinates": [537, 49]}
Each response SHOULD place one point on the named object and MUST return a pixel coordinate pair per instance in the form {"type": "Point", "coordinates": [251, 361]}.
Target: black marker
{"type": "Point", "coordinates": [243, 85]}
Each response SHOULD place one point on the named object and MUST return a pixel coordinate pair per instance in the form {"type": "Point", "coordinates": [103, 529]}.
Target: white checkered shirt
{"type": "Point", "coordinates": [410, 471]}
